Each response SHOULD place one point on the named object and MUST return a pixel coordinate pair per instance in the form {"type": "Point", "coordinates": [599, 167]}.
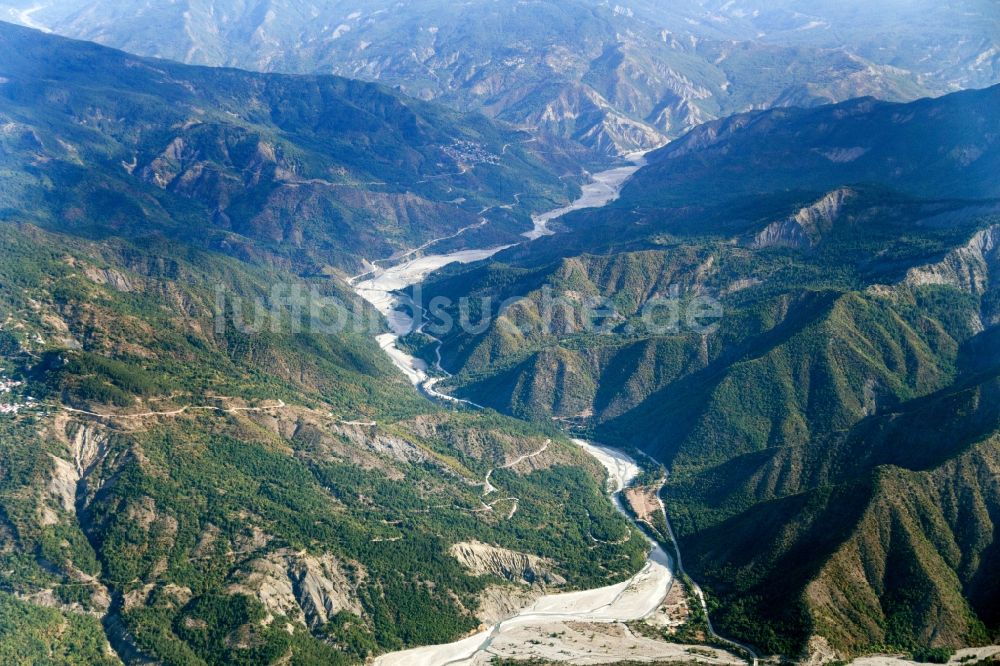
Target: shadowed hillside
{"type": "Point", "coordinates": [832, 437]}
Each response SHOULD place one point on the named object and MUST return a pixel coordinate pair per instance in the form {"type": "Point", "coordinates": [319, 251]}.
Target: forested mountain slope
{"type": "Point", "coordinates": [314, 171]}
{"type": "Point", "coordinates": [832, 436]}
{"type": "Point", "coordinates": [198, 465]}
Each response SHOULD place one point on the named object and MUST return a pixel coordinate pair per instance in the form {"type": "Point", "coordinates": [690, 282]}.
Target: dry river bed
{"type": "Point", "coordinates": [581, 627]}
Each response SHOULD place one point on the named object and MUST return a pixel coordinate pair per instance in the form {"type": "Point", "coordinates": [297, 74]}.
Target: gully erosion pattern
{"type": "Point", "coordinates": [630, 600]}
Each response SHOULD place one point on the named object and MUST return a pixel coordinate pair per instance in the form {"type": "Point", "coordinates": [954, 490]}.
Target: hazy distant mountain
{"type": "Point", "coordinates": [834, 442]}
{"type": "Point", "coordinates": [949, 45]}
{"type": "Point", "coordinates": [616, 77]}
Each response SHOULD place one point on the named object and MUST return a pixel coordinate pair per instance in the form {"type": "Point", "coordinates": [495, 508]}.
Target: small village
{"type": "Point", "coordinates": [469, 152]}
{"type": "Point", "coordinates": [8, 393]}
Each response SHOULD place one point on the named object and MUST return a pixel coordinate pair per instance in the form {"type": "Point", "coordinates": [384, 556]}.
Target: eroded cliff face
{"type": "Point", "coordinates": [499, 602]}
{"type": "Point", "coordinates": [972, 268]}
{"type": "Point", "coordinates": [579, 112]}
{"type": "Point", "coordinates": [307, 588]}
{"type": "Point", "coordinates": [806, 228]}
{"type": "Point", "coordinates": [480, 558]}
{"type": "Point", "coordinates": [71, 485]}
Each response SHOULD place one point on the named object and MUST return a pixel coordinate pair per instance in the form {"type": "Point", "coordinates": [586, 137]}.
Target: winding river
{"type": "Point", "coordinates": [632, 599]}
{"type": "Point", "coordinates": [382, 286]}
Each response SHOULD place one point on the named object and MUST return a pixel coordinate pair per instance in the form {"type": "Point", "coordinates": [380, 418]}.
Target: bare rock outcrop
{"type": "Point", "coordinates": [499, 602]}
{"type": "Point", "coordinates": [62, 485]}
{"type": "Point", "coordinates": [480, 559]}
{"type": "Point", "coordinates": [323, 587]}
{"type": "Point", "coordinates": [87, 447]}
{"type": "Point", "coordinates": [268, 581]}
{"type": "Point", "coordinates": [806, 228]}
{"type": "Point", "coordinates": [113, 278]}
{"type": "Point", "coordinates": [818, 652]}
{"type": "Point", "coordinates": [302, 587]}
{"type": "Point", "coordinates": [580, 111]}
{"type": "Point", "coordinates": [174, 595]}
{"type": "Point", "coordinates": [969, 268]}
{"type": "Point", "coordinates": [372, 448]}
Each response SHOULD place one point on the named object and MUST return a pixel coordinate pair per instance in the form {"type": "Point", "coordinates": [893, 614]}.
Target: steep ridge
{"type": "Point", "coordinates": [305, 171]}
{"type": "Point", "coordinates": [820, 431]}
{"type": "Point", "coordinates": [943, 147]}
{"type": "Point", "coordinates": [615, 77]}
{"type": "Point", "coordinates": [806, 228]}
{"type": "Point", "coordinates": [199, 466]}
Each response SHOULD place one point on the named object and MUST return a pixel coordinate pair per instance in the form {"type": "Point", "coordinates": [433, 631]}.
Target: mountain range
{"type": "Point", "coordinates": [197, 466]}
{"type": "Point", "coordinates": [323, 171]}
{"type": "Point", "coordinates": [185, 481]}
{"type": "Point", "coordinates": [614, 77]}
{"type": "Point", "coordinates": [832, 433]}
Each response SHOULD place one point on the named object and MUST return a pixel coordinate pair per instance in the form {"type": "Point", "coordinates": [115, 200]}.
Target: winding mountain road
{"type": "Point", "coordinates": [633, 599]}
{"type": "Point", "coordinates": [176, 412]}
{"type": "Point", "coordinates": [698, 591]}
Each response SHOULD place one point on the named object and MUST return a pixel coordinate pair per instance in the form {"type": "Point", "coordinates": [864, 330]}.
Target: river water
{"type": "Point", "coordinates": [632, 599]}
{"type": "Point", "coordinates": [381, 286]}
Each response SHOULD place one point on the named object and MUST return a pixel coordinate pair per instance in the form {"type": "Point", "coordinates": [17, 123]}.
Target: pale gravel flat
{"type": "Point", "coordinates": [602, 190]}
{"type": "Point", "coordinates": [632, 599]}
{"type": "Point", "coordinates": [585, 643]}
{"type": "Point", "coordinates": [900, 660]}
{"type": "Point", "coordinates": [621, 469]}
{"type": "Point", "coordinates": [381, 285]}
